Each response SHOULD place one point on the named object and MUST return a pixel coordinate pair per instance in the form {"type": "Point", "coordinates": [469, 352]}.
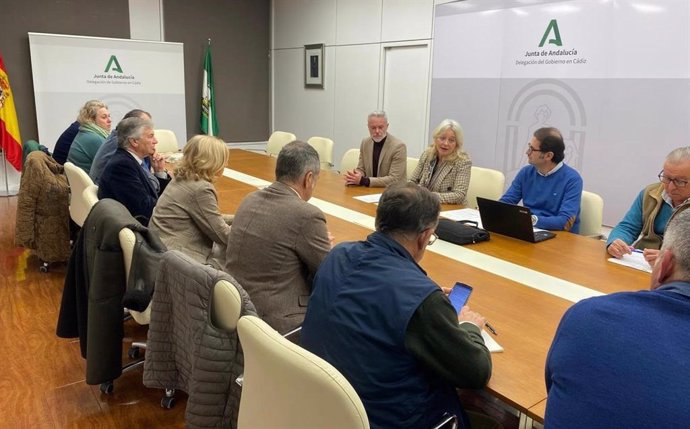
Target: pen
{"type": "Point", "coordinates": [490, 328]}
{"type": "Point", "coordinates": [637, 250]}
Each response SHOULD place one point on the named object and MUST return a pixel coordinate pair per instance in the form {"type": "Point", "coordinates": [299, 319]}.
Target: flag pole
{"type": "Point", "coordinates": [7, 183]}
{"type": "Point", "coordinates": [210, 111]}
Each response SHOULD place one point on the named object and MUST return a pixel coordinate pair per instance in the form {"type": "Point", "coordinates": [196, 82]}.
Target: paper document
{"type": "Point", "coordinates": [634, 260]}
{"type": "Point", "coordinates": [491, 344]}
{"type": "Point", "coordinates": [372, 198]}
{"type": "Point", "coordinates": [463, 214]}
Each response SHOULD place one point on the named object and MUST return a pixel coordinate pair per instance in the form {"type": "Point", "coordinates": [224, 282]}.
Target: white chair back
{"type": "Point", "coordinates": [167, 141]}
{"type": "Point", "coordinates": [591, 214]}
{"type": "Point", "coordinates": [350, 160]}
{"type": "Point", "coordinates": [127, 242]}
{"type": "Point", "coordinates": [301, 389]}
{"type": "Point", "coordinates": [277, 140]}
{"type": "Point", "coordinates": [411, 166]}
{"type": "Point", "coordinates": [324, 146]}
{"type": "Point", "coordinates": [486, 183]}
{"type": "Point", "coordinates": [226, 306]}
{"type": "Point", "coordinates": [90, 195]}
{"type": "Point", "coordinates": [79, 207]}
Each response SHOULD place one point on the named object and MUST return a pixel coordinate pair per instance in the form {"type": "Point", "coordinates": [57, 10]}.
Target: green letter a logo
{"type": "Point", "coordinates": [115, 66]}
{"type": "Point", "coordinates": [553, 25]}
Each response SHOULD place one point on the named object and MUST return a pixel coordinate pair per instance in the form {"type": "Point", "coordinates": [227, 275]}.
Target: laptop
{"type": "Point", "coordinates": [511, 220]}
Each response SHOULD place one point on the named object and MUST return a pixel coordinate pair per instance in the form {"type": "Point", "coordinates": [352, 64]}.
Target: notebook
{"type": "Point", "coordinates": [511, 220]}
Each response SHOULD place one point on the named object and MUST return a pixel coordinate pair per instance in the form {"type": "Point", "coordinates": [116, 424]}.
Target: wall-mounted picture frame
{"type": "Point", "coordinates": [313, 66]}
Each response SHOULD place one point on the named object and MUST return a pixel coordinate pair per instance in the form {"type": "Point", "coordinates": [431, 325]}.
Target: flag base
{"type": "Point", "coordinates": [9, 178]}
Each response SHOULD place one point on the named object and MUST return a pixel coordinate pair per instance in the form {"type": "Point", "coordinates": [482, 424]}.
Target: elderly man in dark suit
{"type": "Point", "coordinates": [278, 240]}
{"type": "Point", "coordinates": [126, 177]}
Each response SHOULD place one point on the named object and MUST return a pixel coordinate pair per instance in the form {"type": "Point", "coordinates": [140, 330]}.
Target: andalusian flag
{"type": "Point", "coordinates": [9, 127]}
{"type": "Point", "coordinates": [209, 123]}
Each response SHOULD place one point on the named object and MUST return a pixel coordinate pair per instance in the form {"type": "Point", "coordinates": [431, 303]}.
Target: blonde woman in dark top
{"type": "Point", "coordinates": [444, 168]}
{"type": "Point", "coordinates": [186, 215]}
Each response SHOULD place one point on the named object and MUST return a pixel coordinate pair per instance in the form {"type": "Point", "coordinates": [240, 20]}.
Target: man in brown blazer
{"type": "Point", "coordinates": [382, 156]}
{"type": "Point", "coordinates": [278, 240]}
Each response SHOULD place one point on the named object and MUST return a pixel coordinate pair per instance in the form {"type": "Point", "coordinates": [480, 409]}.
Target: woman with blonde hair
{"type": "Point", "coordinates": [94, 127]}
{"type": "Point", "coordinates": [186, 215]}
{"type": "Point", "coordinates": [444, 168]}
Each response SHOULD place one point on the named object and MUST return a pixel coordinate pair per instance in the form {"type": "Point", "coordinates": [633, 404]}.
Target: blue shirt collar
{"type": "Point", "coordinates": [682, 288]}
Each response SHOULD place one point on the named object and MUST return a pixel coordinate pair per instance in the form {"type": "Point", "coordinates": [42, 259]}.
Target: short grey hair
{"type": "Point", "coordinates": [677, 239]}
{"type": "Point", "coordinates": [678, 155]}
{"type": "Point", "coordinates": [131, 128]}
{"type": "Point", "coordinates": [378, 114]}
{"type": "Point", "coordinates": [407, 208]}
{"type": "Point", "coordinates": [295, 159]}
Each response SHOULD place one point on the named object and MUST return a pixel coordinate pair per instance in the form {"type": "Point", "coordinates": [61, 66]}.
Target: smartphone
{"type": "Point", "coordinates": [459, 295]}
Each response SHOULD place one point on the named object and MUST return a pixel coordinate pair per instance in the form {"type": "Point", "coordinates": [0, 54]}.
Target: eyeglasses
{"type": "Point", "coordinates": [432, 239]}
{"type": "Point", "coordinates": [530, 149]}
{"type": "Point", "coordinates": [679, 183]}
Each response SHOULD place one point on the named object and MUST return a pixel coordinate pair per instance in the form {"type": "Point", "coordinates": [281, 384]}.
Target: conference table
{"type": "Point", "coordinates": [522, 288]}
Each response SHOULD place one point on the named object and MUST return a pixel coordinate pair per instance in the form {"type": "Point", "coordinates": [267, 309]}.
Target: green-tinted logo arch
{"type": "Point", "coordinates": [113, 65]}
{"type": "Point", "coordinates": [556, 40]}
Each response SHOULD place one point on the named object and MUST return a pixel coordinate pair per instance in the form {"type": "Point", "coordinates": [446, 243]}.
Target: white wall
{"type": "Point", "coordinates": [146, 20]}
{"type": "Point", "coordinates": [367, 44]}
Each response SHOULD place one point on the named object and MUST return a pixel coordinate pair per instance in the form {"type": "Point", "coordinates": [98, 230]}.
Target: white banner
{"type": "Point", "coordinates": [125, 74]}
{"type": "Point", "coordinates": [612, 75]}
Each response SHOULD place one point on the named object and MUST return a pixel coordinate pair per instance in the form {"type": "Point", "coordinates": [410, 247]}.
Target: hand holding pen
{"type": "Point", "coordinates": [467, 315]}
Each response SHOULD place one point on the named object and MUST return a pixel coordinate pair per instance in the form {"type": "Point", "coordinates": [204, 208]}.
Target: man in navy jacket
{"type": "Point", "coordinates": [126, 176]}
{"type": "Point", "coordinates": [621, 360]}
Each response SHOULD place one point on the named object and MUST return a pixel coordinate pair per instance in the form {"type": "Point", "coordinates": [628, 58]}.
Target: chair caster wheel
{"type": "Point", "coordinates": [168, 402]}
{"type": "Point", "coordinates": [107, 388]}
{"type": "Point", "coordinates": [43, 268]}
{"type": "Point", "coordinates": [134, 353]}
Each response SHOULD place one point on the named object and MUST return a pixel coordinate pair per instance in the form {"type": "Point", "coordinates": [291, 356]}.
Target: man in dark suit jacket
{"type": "Point", "coordinates": [126, 177]}
{"type": "Point", "coordinates": [278, 240]}
{"type": "Point", "coordinates": [382, 156]}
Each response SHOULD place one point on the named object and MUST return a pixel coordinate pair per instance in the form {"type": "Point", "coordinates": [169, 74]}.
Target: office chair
{"type": "Point", "coordinates": [192, 297]}
{"type": "Point", "coordinates": [301, 389]}
{"type": "Point", "coordinates": [167, 141]}
{"type": "Point", "coordinates": [411, 166]}
{"type": "Point", "coordinates": [275, 369]}
{"type": "Point", "coordinates": [42, 223]}
{"type": "Point", "coordinates": [591, 214]}
{"type": "Point", "coordinates": [277, 140]}
{"type": "Point", "coordinates": [349, 161]}
{"type": "Point", "coordinates": [486, 183]}
{"type": "Point", "coordinates": [324, 147]}
{"type": "Point", "coordinates": [127, 242]}
{"type": "Point", "coordinates": [78, 180]}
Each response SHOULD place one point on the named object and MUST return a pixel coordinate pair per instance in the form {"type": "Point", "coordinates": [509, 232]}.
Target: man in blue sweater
{"type": "Point", "coordinates": [621, 360]}
{"type": "Point", "coordinates": [551, 189]}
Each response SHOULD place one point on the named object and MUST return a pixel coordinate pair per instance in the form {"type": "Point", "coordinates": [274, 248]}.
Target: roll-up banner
{"type": "Point", "coordinates": [125, 74]}
{"type": "Point", "coordinates": [612, 75]}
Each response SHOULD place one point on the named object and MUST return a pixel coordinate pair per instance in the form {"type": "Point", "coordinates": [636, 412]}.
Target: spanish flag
{"type": "Point", "coordinates": [10, 140]}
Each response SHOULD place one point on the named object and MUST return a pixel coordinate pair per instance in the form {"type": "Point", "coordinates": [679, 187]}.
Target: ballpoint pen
{"type": "Point", "coordinates": [490, 328]}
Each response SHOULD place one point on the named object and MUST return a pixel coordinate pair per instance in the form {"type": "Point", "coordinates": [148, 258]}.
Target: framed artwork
{"type": "Point", "coordinates": [313, 66]}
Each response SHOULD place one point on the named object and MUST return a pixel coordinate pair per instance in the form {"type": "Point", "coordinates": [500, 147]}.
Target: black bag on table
{"type": "Point", "coordinates": [461, 232]}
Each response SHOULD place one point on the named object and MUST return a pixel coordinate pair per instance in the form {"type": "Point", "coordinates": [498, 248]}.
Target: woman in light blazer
{"type": "Point", "coordinates": [186, 215]}
{"type": "Point", "coordinates": [444, 168]}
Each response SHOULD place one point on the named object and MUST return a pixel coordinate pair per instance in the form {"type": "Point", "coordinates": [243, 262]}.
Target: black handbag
{"type": "Point", "coordinates": [461, 232]}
